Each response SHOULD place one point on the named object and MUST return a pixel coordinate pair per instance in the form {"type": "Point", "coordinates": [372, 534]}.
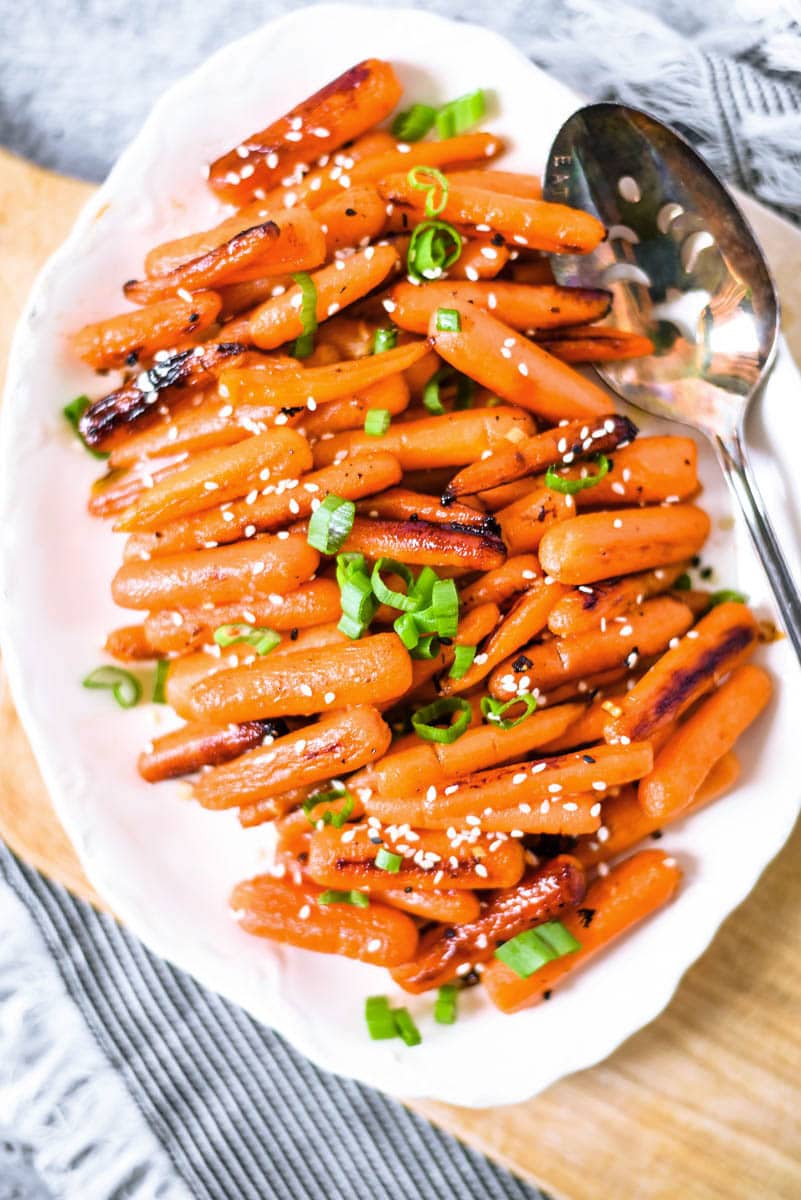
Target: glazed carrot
{"type": "Point", "coordinates": [465, 148]}
{"type": "Point", "coordinates": [613, 904]}
{"type": "Point", "coordinates": [263, 566]}
{"type": "Point", "coordinates": [292, 913]}
{"type": "Point", "coordinates": [596, 343]}
{"type": "Point", "coordinates": [650, 470]}
{"type": "Point", "coordinates": [191, 368]}
{"type": "Point", "coordinates": [588, 726]}
{"type": "Point", "coordinates": [480, 259]}
{"type": "Point", "coordinates": [278, 320]}
{"type": "Point", "coordinates": [494, 499]}
{"type": "Point", "coordinates": [267, 385]}
{"type": "Point", "coordinates": [278, 808]}
{"type": "Point", "coordinates": [525, 523]}
{"type": "Point", "coordinates": [347, 859]}
{"type": "Point", "coordinates": [625, 823]}
{"type": "Point", "coordinates": [449, 440]}
{"type": "Point", "coordinates": [123, 340]}
{"type": "Point", "coordinates": [287, 500]}
{"type": "Point", "coordinates": [533, 271]}
{"type": "Point", "coordinates": [501, 584]}
{"type": "Point", "coordinates": [685, 759]}
{"type": "Point", "coordinates": [218, 475]}
{"type": "Point", "coordinates": [584, 608]}
{"type": "Point", "coordinates": [510, 183]}
{"type": "Point", "coordinates": [129, 644]}
{"type": "Point", "coordinates": [500, 358]}
{"type": "Point", "coordinates": [447, 904]}
{"type": "Point", "coordinates": [519, 306]}
{"type": "Point", "coordinates": [413, 770]}
{"type": "Point", "coordinates": [350, 412]}
{"type": "Point", "coordinates": [349, 333]}
{"type": "Point", "coordinates": [525, 222]}
{"type": "Point", "coordinates": [559, 816]}
{"type": "Point", "coordinates": [720, 641]}
{"type": "Point", "coordinates": [420, 373]}
{"type": "Point", "coordinates": [337, 743]}
{"type": "Point", "coordinates": [573, 440]}
{"type": "Point", "coordinates": [402, 504]}
{"type": "Point", "coordinates": [198, 744]}
{"type": "Point", "coordinates": [425, 543]}
{"type": "Point", "coordinates": [300, 685]}
{"type": "Point", "coordinates": [331, 174]}
{"type": "Point", "coordinates": [119, 488]}
{"type": "Point", "coordinates": [351, 218]}
{"type": "Point", "coordinates": [525, 619]}
{"type": "Point", "coordinates": [542, 895]}
{"type": "Point", "coordinates": [643, 631]}
{"type": "Point", "coordinates": [598, 545]}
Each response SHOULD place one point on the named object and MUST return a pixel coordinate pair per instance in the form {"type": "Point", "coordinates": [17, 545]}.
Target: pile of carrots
{"type": "Point", "coordinates": [419, 595]}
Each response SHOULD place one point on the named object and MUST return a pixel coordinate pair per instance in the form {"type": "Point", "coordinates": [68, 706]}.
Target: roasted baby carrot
{"type": "Point", "coordinates": [521, 307]}
{"type": "Point", "coordinates": [559, 816]}
{"type": "Point", "coordinates": [595, 344]}
{"type": "Point", "coordinates": [480, 259]}
{"type": "Point", "coordinates": [650, 470]}
{"type": "Point", "coordinates": [584, 608]}
{"type": "Point", "coordinates": [350, 412]}
{"type": "Point", "coordinates": [598, 545]}
{"type": "Point", "coordinates": [525, 522]}
{"type": "Point", "coordinates": [504, 582]}
{"type": "Point", "coordinates": [198, 744]}
{"type": "Point", "coordinates": [465, 148]}
{"type": "Point", "coordinates": [452, 906]}
{"type": "Point", "coordinates": [709, 732]}
{"type": "Point", "coordinates": [351, 218]}
{"type": "Point", "coordinates": [130, 643]}
{"type": "Point", "coordinates": [719, 642]}
{"type": "Point", "coordinates": [124, 340]}
{"type": "Point", "coordinates": [278, 808]}
{"type": "Point", "coordinates": [542, 895]}
{"type": "Point", "coordinates": [378, 667]}
{"type": "Point", "coordinates": [263, 566]}
{"type": "Point", "coordinates": [426, 543]}
{"type": "Point", "coordinates": [402, 504]}
{"type": "Point", "coordinates": [298, 914]}
{"type": "Point", "coordinates": [337, 743]}
{"type": "Point", "coordinates": [503, 360]}
{"type": "Point", "coordinates": [510, 183]}
{"type": "Point", "coordinates": [613, 904]}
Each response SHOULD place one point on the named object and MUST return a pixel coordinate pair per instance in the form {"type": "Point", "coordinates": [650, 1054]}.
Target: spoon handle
{"type": "Point", "coordinates": [732, 458]}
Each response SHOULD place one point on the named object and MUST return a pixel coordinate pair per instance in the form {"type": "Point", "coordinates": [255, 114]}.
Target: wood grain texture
{"type": "Point", "coordinates": [705, 1103]}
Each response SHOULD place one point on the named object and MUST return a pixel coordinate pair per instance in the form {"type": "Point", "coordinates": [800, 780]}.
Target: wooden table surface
{"type": "Point", "coordinates": [703, 1104]}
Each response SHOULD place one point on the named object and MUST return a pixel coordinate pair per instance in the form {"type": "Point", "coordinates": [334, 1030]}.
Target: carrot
{"type": "Point", "coordinates": [644, 631]}
{"type": "Point", "coordinates": [502, 583]}
{"type": "Point", "coordinates": [709, 732]}
{"type": "Point", "coordinates": [559, 816]}
{"type": "Point", "coordinates": [425, 543]}
{"type": "Point", "coordinates": [595, 343]}
{"type": "Point", "coordinates": [420, 373]}
{"type": "Point", "coordinates": [332, 174]}
{"type": "Point", "coordinates": [500, 358]}
{"type": "Point", "coordinates": [553, 446]}
{"type": "Point", "coordinates": [720, 641]}
{"type": "Point", "coordinates": [536, 224]}
{"type": "Point", "coordinates": [350, 412]}
{"type": "Point", "coordinates": [542, 895]}
{"type": "Point", "coordinates": [351, 218]}
{"type": "Point", "coordinates": [625, 823]}
{"type": "Point", "coordinates": [588, 726]}
{"type": "Point", "coordinates": [501, 497]}
{"type": "Point", "coordinates": [266, 384]}
{"type": "Point", "coordinates": [518, 306]}
{"type": "Point", "coordinates": [293, 913]}
{"type": "Point", "coordinates": [480, 259]}
{"type": "Point", "coordinates": [263, 566]}
{"type": "Point", "coordinates": [129, 644]}
{"type": "Point", "coordinates": [598, 545]}
{"type": "Point", "coordinates": [613, 904]}
{"type": "Point", "coordinates": [449, 440]}
{"type": "Point", "coordinates": [278, 320]}
{"type": "Point", "coordinates": [525, 523]}
{"type": "Point", "coordinates": [270, 507]}
{"type": "Point", "coordinates": [345, 108]}
{"type": "Point", "coordinates": [447, 904]}
{"type": "Point", "coordinates": [304, 684]}
{"type": "Point", "coordinates": [533, 271]}
{"type": "Point", "coordinates": [347, 859]}
{"type": "Point", "coordinates": [338, 742]}
{"type": "Point", "coordinates": [219, 475]}
{"type": "Point", "coordinates": [584, 608]}
{"type": "Point", "coordinates": [123, 340]}
{"type": "Point", "coordinates": [119, 488]}
{"type": "Point", "coordinates": [191, 368]}
{"type": "Point", "coordinates": [649, 471]}
{"type": "Point", "coordinates": [198, 744]}
{"type": "Point", "coordinates": [402, 504]}
{"type": "Point", "coordinates": [465, 148]}
{"type": "Point", "coordinates": [474, 626]}
{"type": "Point", "coordinates": [510, 183]}
{"type": "Point", "coordinates": [277, 808]}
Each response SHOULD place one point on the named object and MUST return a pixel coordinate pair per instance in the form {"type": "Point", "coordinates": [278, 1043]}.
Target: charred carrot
{"type": "Point", "coordinates": [426, 543]}
{"type": "Point", "coordinates": [124, 340]}
{"type": "Point", "coordinates": [402, 504]}
{"type": "Point", "coordinates": [595, 344]}
{"type": "Point", "coordinates": [525, 522]}
{"type": "Point", "coordinates": [521, 307]}
{"type": "Point", "coordinates": [504, 582]}
{"type": "Point", "coordinates": [584, 608]}
{"type": "Point", "coordinates": [198, 744]}
{"type": "Point", "coordinates": [532, 270]}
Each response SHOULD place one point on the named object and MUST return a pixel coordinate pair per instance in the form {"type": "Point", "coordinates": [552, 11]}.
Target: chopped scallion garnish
{"type": "Point", "coordinates": [160, 680]}
{"type": "Point", "coordinates": [332, 816]}
{"type": "Point", "coordinates": [354, 897]}
{"type": "Point", "coordinates": [462, 661]}
{"type": "Point", "coordinates": [405, 601]}
{"type": "Point", "coordinates": [304, 345]}
{"type": "Point", "coordinates": [434, 246]}
{"type": "Point", "coordinates": [445, 1007]}
{"type": "Point", "coordinates": [358, 603]}
{"type": "Point", "coordinates": [384, 339]}
{"type": "Point", "coordinates": [461, 114]}
{"type": "Point", "coordinates": [330, 524]}
{"type": "Point", "coordinates": [448, 320]}
{"type": "Point", "coordinates": [727, 596]}
{"type": "Point", "coordinates": [260, 637]}
{"type": "Point", "coordinates": [379, 1017]}
{"type": "Point", "coordinates": [569, 487]}
{"type": "Point", "coordinates": [428, 179]}
{"type": "Point", "coordinates": [414, 123]}
{"type": "Point", "coordinates": [125, 687]}
{"type": "Point", "coordinates": [532, 949]}
{"type": "Point", "coordinates": [73, 413]}
{"type": "Point", "coordinates": [494, 711]}
{"type": "Point", "coordinates": [385, 860]}
{"type": "Point", "coordinates": [425, 722]}
{"type": "Point", "coordinates": [377, 422]}
{"type": "Point", "coordinates": [406, 1029]}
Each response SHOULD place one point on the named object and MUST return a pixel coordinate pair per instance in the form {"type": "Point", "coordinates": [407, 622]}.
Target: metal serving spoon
{"type": "Point", "coordinates": [684, 268]}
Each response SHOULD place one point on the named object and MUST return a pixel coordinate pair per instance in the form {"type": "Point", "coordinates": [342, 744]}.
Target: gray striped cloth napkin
{"type": "Point", "coordinates": [120, 1077]}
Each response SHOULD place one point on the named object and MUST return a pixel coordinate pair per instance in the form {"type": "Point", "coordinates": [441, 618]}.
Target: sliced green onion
{"type": "Point", "coordinates": [423, 586]}
{"type": "Point", "coordinates": [428, 179]}
{"type": "Point", "coordinates": [442, 615]}
{"type": "Point", "coordinates": [434, 246]}
{"type": "Point", "coordinates": [462, 661]}
{"type": "Point", "coordinates": [380, 1018]}
{"type": "Point", "coordinates": [727, 596]}
{"type": "Point", "coordinates": [427, 647]}
{"type": "Point", "coordinates": [162, 667]}
{"type": "Point", "coordinates": [531, 950]}
{"type": "Point", "coordinates": [385, 860]}
{"type": "Point", "coordinates": [407, 630]}
{"type": "Point", "coordinates": [356, 595]}
{"type": "Point", "coordinates": [405, 1027]}
{"type": "Point", "coordinates": [308, 314]}
{"type": "Point", "coordinates": [431, 396]}
{"type": "Point", "coordinates": [445, 1007]}
{"type": "Point", "coordinates": [125, 687]}
{"type": "Point", "coordinates": [414, 123]}
{"type": "Point", "coordinates": [377, 422]}
{"type": "Point", "coordinates": [465, 389]}
{"type": "Point", "coordinates": [331, 896]}
{"type": "Point", "coordinates": [330, 524]}
{"type": "Point", "coordinates": [384, 339]}
{"type": "Point", "coordinates": [385, 595]}
{"type": "Point", "coordinates": [424, 721]}
{"type": "Point", "coordinates": [73, 413]}
{"type": "Point", "coordinates": [494, 710]}
{"type": "Point", "coordinates": [683, 583]}
{"type": "Point", "coordinates": [260, 637]}
{"type": "Point", "coordinates": [332, 816]}
{"type": "Point", "coordinates": [448, 320]}
{"type": "Point", "coordinates": [461, 114]}
{"type": "Point", "coordinates": [569, 487]}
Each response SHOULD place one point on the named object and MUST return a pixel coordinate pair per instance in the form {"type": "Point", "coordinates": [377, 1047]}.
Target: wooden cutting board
{"type": "Point", "coordinates": [704, 1103]}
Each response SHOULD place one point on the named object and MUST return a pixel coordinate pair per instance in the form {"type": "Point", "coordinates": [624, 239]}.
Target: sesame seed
{"type": "Point", "coordinates": [522, 368]}
{"type": "Point", "coordinates": [481, 871]}
{"type": "Point", "coordinates": [520, 777]}
{"type": "Point", "coordinates": [305, 912]}
{"type": "Point", "coordinates": [554, 788]}
{"type": "Point", "coordinates": [598, 785]}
